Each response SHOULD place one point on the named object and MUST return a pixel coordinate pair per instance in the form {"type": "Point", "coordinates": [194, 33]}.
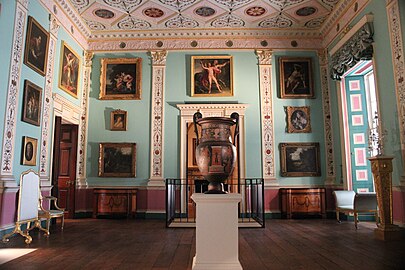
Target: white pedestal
{"type": "Point", "coordinates": [216, 231]}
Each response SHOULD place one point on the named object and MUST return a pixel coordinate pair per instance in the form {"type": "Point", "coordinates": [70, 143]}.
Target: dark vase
{"type": "Point", "coordinates": [215, 153]}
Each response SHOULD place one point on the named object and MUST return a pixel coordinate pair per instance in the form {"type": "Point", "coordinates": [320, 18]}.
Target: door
{"type": "Point", "coordinates": [64, 165]}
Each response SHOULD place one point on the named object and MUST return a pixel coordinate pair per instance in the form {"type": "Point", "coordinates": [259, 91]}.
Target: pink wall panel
{"type": "Point", "coordinates": [271, 200]}
{"type": "Point", "coordinates": [398, 200]}
{"type": "Point", "coordinates": [151, 200]}
{"type": "Point", "coordinates": [8, 208]}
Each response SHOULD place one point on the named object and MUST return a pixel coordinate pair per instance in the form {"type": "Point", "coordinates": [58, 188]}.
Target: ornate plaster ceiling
{"type": "Point", "coordinates": [109, 16]}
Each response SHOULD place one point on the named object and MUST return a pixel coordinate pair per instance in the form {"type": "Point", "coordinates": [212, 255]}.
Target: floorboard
{"type": "Point", "coordinates": [148, 244]}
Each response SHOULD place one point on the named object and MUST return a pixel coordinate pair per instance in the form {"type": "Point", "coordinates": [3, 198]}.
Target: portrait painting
{"type": "Point", "coordinates": [69, 70]}
{"type": "Point", "coordinates": [118, 120]}
{"type": "Point", "coordinates": [117, 160]}
{"type": "Point", "coordinates": [300, 159]}
{"type": "Point", "coordinates": [296, 78]}
{"type": "Point", "coordinates": [211, 76]}
{"type": "Point", "coordinates": [32, 100]}
{"type": "Point", "coordinates": [298, 119]}
{"type": "Point", "coordinates": [29, 151]}
{"type": "Point", "coordinates": [36, 46]}
{"type": "Point", "coordinates": [120, 78]}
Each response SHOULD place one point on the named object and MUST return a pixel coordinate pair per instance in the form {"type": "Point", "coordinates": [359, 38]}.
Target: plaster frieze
{"type": "Point", "coordinates": [66, 109]}
{"type": "Point", "coordinates": [7, 157]}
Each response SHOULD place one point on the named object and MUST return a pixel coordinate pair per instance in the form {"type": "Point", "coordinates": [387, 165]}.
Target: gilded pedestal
{"type": "Point", "coordinates": [381, 166]}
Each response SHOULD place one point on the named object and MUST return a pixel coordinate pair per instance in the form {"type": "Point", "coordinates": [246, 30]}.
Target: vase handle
{"type": "Point", "coordinates": [235, 116]}
{"type": "Point", "coordinates": [196, 116]}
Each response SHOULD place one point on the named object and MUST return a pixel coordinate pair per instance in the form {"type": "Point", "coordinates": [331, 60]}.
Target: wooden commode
{"type": "Point", "coordinates": [114, 202]}
{"type": "Point", "coordinates": [302, 202]}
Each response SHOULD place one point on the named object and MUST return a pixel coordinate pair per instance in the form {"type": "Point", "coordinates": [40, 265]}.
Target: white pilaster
{"type": "Point", "coordinates": [157, 121]}
{"type": "Point", "coordinates": [266, 104]}
{"type": "Point", "coordinates": [7, 154]}
{"type": "Point", "coordinates": [47, 105]}
{"type": "Point", "coordinates": [327, 119]}
{"type": "Point", "coordinates": [398, 61]}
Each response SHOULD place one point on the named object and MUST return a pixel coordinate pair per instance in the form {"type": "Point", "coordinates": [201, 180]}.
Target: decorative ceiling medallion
{"type": "Point", "coordinates": [232, 4]}
{"type": "Point", "coordinates": [205, 11]}
{"type": "Point", "coordinates": [306, 11]}
{"type": "Point", "coordinates": [131, 23]}
{"type": "Point", "coordinates": [255, 11]}
{"type": "Point", "coordinates": [104, 13]}
{"type": "Point", "coordinates": [228, 21]}
{"type": "Point", "coordinates": [279, 21]}
{"type": "Point", "coordinates": [125, 5]}
{"type": "Point", "coordinates": [194, 43]}
{"type": "Point", "coordinates": [315, 23]}
{"type": "Point", "coordinates": [95, 25]}
{"type": "Point", "coordinates": [181, 22]}
{"type": "Point", "coordinates": [178, 4]}
{"type": "Point", "coordinates": [153, 12]}
{"type": "Point", "coordinates": [159, 44]}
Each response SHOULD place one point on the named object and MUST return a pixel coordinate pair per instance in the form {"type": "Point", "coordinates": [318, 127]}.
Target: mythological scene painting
{"type": "Point", "coordinates": [211, 76]}
{"type": "Point", "coordinates": [117, 160]}
{"type": "Point", "coordinates": [69, 70]}
{"type": "Point", "coordinates": [296, 78]}
{"type": "Point", "coordinates": [120, 78]}
{"type": "Point", "coordinates": [36, 46]}
{"type": "Point", "coordinates": [300, 159]}
{"type": "Point", "coordinates": [32, 103]}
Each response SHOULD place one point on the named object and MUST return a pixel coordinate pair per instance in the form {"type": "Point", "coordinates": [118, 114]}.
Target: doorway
{"type": "Point", "coordinates": [359, 109]}
{"type": "Point", "coordinates": [64, 165]}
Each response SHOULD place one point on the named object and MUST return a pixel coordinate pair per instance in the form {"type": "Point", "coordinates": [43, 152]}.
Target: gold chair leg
{"type": "Point", "coordinates": [48, 223]}
{"type": "Point", "coordinates": [63, 222]}
{"type": "Point", "coordinates": [355, 219]}
{"type": "Point", "coordinates": [17, 229]}
{"type": "Point", "coordinates": [39, 226]}
{"type": "Point", "coordinates": [338, 216]}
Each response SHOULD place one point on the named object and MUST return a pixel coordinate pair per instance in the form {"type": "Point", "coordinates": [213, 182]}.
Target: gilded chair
{"type": "Point", "coordinates": [54, 212]}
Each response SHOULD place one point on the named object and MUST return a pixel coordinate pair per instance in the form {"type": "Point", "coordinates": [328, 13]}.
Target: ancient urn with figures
{"type": "Point", "coordinates": [215, 153]}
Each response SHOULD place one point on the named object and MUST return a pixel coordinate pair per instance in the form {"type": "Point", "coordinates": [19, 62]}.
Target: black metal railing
{"type": "Point", "coordinates": [180, 208]}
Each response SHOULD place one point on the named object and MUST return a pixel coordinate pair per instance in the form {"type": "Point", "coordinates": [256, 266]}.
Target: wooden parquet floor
{"type": "Point", "coordinates": [148, 244]}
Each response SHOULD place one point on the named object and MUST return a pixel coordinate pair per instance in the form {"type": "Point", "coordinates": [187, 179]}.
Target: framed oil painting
{"type": "Point", "coordinates": [36, 46]}
{"type": "Point", "coordinates": [296, 78]}
{"type": "Point", "coordinates": [32, 101]}
{"type": "Point", "coordinates": [211, 76]}
{"type": "Point", "coordinates": [300, 159]}
{"type": "Point", "coordinates": [120, 78]}
{"type": "Point", "coordinates": [29, 151]}
{"type": "Point", "coordinates": [117, 160]}
{"type": "Point", "coordinates": [118, 120]}
{"type": "Point", "coordinates": [298, 119]}
{"type": "Point", "coordinates": [69, 70]}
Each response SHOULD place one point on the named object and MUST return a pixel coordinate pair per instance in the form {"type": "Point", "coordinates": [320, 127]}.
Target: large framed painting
{"type": "Point", "coordinates": [298, 119]}
{"type": "Point", "coordinates": [69, 70]}
{"type": "Point", "coordinates": [32, 101]}
{"type": "Point", "coordinates": [211, 76]}
{"type": "Point", "coordinates": [36, 46]}
{"type": "Point", "coordinates": [296, 78]}
{"type": "Point", "coordinates": [120, 78]}
{"type": "Point", "coordinates": [300, 159]}
{"type": "Point", "coordinates": [117, 160]}
{"type": "Point", "coordinates": [29, 151]}
{"type": "Point", "coordinates": [118, 120]}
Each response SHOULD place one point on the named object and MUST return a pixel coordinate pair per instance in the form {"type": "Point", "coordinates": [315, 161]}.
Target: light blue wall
{"type": "Point", "coordinates": [385, 85]}
{"type": "Point", "coordinates": [138, 127]}
{"type": "Point", "coordinates": [6, 34]}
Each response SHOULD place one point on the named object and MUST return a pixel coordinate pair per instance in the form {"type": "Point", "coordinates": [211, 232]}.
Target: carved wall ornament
{"type": "Point", "coordinates": [358, 47]}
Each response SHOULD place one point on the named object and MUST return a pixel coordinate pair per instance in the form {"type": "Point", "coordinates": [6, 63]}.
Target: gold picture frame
{"type": "Point", "coordinates": [298, 119]}
{"type": "Point", "coordinates": [296, 77]}
{"type": "Point", "coordinates": [120, 78]}
{"type": "Point", "coordinates": [29, 151]}
{"type": "Point", "coordinates": [69, 70]}
{"type": "Point", "coordinates": [32, 102]}
{"type": "Point", "coordinates": [211, 76]}
{"type": "Point", "coordinates": [300, 159]}
{"type": "Point", "coordinates": [118, 121]}
{"type": "Point", "coordinates": [36, 46]}
{"type": "Point", "coordinates": [117, 160]}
